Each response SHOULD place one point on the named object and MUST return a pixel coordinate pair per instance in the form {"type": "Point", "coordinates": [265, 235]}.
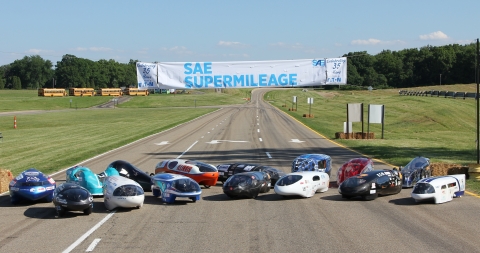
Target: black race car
{"type": "Point", "coordinates": [72, 197]}
{"type": "Point", "coordinates": [126, 169]}
{"type": "Point", "coordinates": [247, 184]}
{"type": "Point", "coordinates": [227, 170]}
{"type": "Point", "coordinates": [369, 185]}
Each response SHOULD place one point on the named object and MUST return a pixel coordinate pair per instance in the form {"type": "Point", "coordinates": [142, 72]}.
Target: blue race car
{"type": "Point", "coordinates": [313, 162]}
{"type": "Point", "coordinates": [170, 186]}
{"type": "Point", "coordinates": [31, 185]}
{"type": "Point", "coordinates": [84, 177]}
{"type": "Point", "coordinates": [418, 168]}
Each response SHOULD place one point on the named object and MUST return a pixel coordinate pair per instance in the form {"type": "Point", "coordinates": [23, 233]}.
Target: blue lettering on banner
{"type": "Point", "coordinates": [320, 63]}
{"type": "Point", "coordinates": [199, 75]}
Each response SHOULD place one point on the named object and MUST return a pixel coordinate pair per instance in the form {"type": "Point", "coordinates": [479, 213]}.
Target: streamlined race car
{"type": "Point", "coordinates": [226, 170]}
{"type": "Point", "coordinates": [170, 186]}
{"type": "Point", "coordinates": [119, 191]}
{"type": "Point", "coordinates": [371, 184]}
{"type": "Point", "coordinates": [126, 169]}
{"type": "Point", "coordinates": [203, 173]}
{"type": "Point", "coordinates": [440, 189]}
{"type": "Point", "coordinates": [312, 162]}
{"type": "Point", "coordinates": [418, 168]}
{"type": "Point", "coordinates": [31, 185]}
{"type": "Point", "coordinates": [354, 167]}
{"type": "Point", "coordinates": [305, 183]}
{"type": "Point", "coordinates": [247, 184]}
{"type": "Point", "coordinates": [84, 177]}
{"type": "Point", "coordinates": [72, 197]}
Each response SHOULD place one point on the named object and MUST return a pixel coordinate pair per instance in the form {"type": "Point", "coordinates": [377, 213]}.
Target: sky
{"type": "Point", "coordinates": [228, 30]}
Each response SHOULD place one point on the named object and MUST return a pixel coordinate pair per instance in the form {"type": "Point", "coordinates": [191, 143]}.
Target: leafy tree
{"type": "Point", "coordinates": [16, 83]}
{"type": "Point", "coordinates": [33, 71]}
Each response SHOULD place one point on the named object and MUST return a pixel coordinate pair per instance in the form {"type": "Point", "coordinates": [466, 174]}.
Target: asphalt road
{"type": "Point", "coordinates": [254, 132]}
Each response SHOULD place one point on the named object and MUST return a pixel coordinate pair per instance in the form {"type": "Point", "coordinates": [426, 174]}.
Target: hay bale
{"type": "Point", "coordinates": [5, 177]}
{"type": "Point", "coordinates": [442, 169]}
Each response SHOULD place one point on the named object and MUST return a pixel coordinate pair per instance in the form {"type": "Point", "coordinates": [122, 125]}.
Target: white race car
{"type": "Point", "coordinates": [441, 189]}
{"type": "Point", "coordinates": [305, 183]}
{"type": "Point", "coordinates": [119, 191]}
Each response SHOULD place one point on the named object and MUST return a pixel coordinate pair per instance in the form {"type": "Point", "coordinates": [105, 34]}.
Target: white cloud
{"type": "Point", "coordinates": [94, 49]}
{"type": "Point", "coordinates": [438, 35]}
{"type": "Point", "coordinates": [177, 50]}
{"type": "Point", "coordinates": [230, 44]}
{"type": "Point", "coordinates": [37, 51]}
{"type": "Point", "coordinates": [294, 46]}
{"type": "Point", "coordinates": [376, 42]}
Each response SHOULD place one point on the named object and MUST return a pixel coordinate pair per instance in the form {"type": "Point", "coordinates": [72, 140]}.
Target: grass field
{"type": "Point", "coordinates": [442, 129]}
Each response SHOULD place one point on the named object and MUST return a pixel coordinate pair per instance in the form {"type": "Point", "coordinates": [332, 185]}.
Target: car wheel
{"type": "Point", "coordinates": [194, 200]}
{"type": "Point", "coordinates": [88, 210]}
{"type": "Point", "coordinates": [229, 195]}
{"type": "Point", "coordinates": [206, 186]}
{"type": "Point", "coordinates": [61, 212]}
{"type": "Point", "coordinates": [49, 198]}
{"type": "Point", "coordinates": [370, 197]}
{"type": "Point", "coordinates": [255, 195]}
{"type": "Point", "coordinates": [14, 201]}
{"type": "Point", "coordinates": [156, 193]}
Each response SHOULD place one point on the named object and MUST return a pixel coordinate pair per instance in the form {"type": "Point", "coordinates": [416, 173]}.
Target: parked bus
{"type": "Point", "coordinates": [51, 92]}
{"type": "Point", "coordinates": [81, 92]}
{"type": "Point", "coordinates": [136, 92]}
{"type": "Point", "coordinates": [109, 92]}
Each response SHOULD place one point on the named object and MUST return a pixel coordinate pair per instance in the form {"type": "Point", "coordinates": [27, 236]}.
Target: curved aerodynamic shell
{"type": "Point", "coordinates": [84, 177]}
{"type": "Point", "coordinates": [371, 184]}
{"type": "Point", "coordinates": [354, 167]}
{"type": "Point", "coordinates": [31, 185]}
{"type": "Point", "coordinates": [72, 197]}
{"type": "Point", "coordinates": [305, 183]}
{"type": "Point", "coordinates": [441, 188]}
{"type": "Point", "coordinates": [312, 162]}
{"type": "Point", "coordinates": [247, 184]}
{"type": "Point", "coordinates": [417, 169]}
{"type": "Point", "coordinates": [122, 192]}
{"type": "Point", "coordinates": [170, 186]}
{"type": "Point", "coordinates": [128, 170]}
{"type": "Point", "coordinates": [203, 173]}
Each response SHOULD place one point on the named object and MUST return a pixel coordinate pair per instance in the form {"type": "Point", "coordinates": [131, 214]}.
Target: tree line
{"type": "Point", "coordinates": [428, 65]}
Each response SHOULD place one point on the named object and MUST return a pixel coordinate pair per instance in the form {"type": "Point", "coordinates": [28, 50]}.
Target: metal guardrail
{"type": "Point", "coordinates": [437, 93]}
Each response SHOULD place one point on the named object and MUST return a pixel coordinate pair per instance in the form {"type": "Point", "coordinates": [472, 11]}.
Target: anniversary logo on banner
{"type": "Point", "coordinates": [146, 75]}
{"type": "Point", "coordinates": [336, 70]}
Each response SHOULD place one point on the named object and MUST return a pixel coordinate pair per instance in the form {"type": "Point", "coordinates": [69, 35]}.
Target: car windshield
{"type": "Point", "coordinates": [240, 180]}
{"type": "Point", "coordinates": [185, 185]}
{"type": "Point", "coordinates": [128, 190]}
{"type": "Point", "coordinates": [288, 180]}
{"type": "Point", "coordinates": [204, 167]}
{"type": "Point", "coordinates": [31, 183]}
{"type": "Point", "coordinates": [415, 164]}
{"type": "Point", "coordinates": [353, 182]}
{"type": "Point", "coordinates": [75, 194]}
{"type": "Point", "coordinates": [423, 188]}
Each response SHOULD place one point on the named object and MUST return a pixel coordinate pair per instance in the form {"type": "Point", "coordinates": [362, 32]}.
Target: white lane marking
{"type": "Point", "coordinates": [88, 233]}
{"type": "Point", "coordinates": [187, 149]}
{"type": "Point", "coordinates": [162, 143]}
{"type": "Point", "coordinates": [268, 154]}
{"type": "Point", "coordinates": [202, 137]}
{"type": "Point", "coordinates": [213, 128]}
{"type": "Point", "coordinates": [208, 132]}
{"type": "Point", "coordinates": [260, 139]}
{"type": "Point", "coordinates": [93, 245]}
{"type": "Point", "coordinates": [219, 141]}
{"type": "Point", "coordinates": [258, 124]}
{"type": "Point", "coordinates": [296, 141]}
{"type": "Point", "coordinates": [258, 130]}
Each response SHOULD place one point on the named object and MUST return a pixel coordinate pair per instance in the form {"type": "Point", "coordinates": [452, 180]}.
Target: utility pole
{"type": "Point", "coordinates": [477, 67]}
{"type": "Point", "coordinates": [440, 79]}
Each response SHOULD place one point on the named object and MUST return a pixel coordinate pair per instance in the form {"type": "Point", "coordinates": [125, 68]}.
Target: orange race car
{"type": "Point", "coordinates": [203, 173]}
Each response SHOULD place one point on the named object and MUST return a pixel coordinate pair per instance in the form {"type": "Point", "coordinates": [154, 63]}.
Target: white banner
{"type": "Point", "coordinates": [246, 74]}
{"type": "Point", "coordinates": [355, 113]}
{"type": "Point", "coordinates": [336, 70]}
{"type": "Point", "coordinates": [146, 75]}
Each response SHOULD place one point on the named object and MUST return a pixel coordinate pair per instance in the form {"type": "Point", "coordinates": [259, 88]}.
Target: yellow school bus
{"type": "Point", "coordinates": [51, 92]}
{"type": "Point", "coordinates": [109, 92]}
{"type": "Point", "coordinates": [81, 92]}
{"type": "Point", "coordinates": [136, 92]}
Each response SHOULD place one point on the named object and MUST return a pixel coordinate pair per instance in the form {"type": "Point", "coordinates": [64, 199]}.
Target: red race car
{"type": "Point", "coordinates": [354, 167]}
{"type": "Point", "coordinates": [203, 173]}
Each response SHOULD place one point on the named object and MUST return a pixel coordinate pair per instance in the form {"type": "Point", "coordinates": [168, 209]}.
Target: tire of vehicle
{"type": "Point", "coordinates": [229, 195]}
{"type": "Point", "coordinates": [14, 201]}
{"type": "Point", "coordinates": [87, 211]}
{"type": "Point", "coordinates": [370, 197]}
{"type": "Point", "coordinates": [156, 193]}
{"type": "Point", "coordinates": [49, 198]}
{"type": "Point", "coordinates": [194, 200]}
{"type": "Point", "coordinates": [346, 197]}
{"type": "Point", "coordinates": [255, 195]}
{"type": "Point", "coordinates": [61, 212]}
{"type": "Point", "coordinates": [206, 186]}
